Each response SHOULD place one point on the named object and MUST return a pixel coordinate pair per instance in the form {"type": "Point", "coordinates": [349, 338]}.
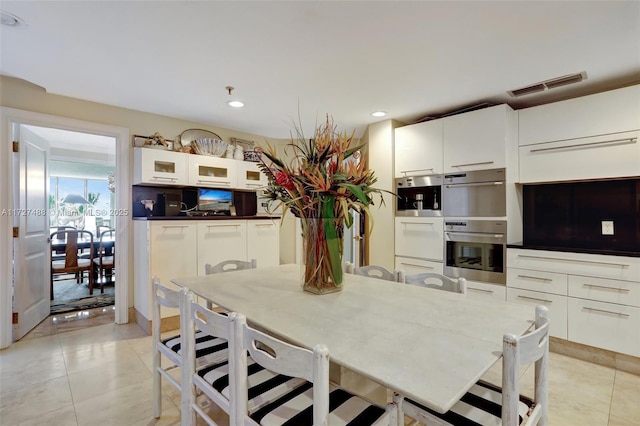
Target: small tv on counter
{"type": "Point", "coordinates": [218, 200]}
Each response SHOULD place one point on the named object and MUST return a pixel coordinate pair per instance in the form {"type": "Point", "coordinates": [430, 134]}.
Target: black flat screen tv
{"type": "Point", "coordinates": [218, 200]}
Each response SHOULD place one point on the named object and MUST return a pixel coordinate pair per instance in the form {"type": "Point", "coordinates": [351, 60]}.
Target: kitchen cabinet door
{"type": "Point", "coordinates": [413, 266]}
{"type": "Point", "coordinates": [479, 139]}
{"type": "Point", "coordinates": [159, 167]}
{"type": "Point", "coordinates": [212, 171]}
{"type": "Point", "coordinates": [486, 291]}
{"type": "Point", "coordinates": [250, 176]}
{"type": "Point", "coordinates": [418, 149]}
{"type": "Point", "coordinates": [419, 237]}
{"type": "Point", "coordinates": [220, 240]}
{"type": "Point", "coordinates": [263, 241]}
{"type": "Point", "coordinates": [557, 305]}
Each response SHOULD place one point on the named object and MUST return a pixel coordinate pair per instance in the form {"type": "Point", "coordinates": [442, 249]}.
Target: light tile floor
{"type": "Point", "coordinates": [85, 370]}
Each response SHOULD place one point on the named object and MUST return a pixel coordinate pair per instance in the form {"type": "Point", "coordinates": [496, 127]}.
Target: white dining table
{"type": "Point", "coordinates": [429, 345]}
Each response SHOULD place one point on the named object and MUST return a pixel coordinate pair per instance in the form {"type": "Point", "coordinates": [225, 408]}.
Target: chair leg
{"type": "Point", "coordinates": [90, 283]}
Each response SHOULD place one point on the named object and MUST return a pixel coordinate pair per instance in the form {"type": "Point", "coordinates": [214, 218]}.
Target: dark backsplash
{"type": "Point", "coordinates": [570, 215]}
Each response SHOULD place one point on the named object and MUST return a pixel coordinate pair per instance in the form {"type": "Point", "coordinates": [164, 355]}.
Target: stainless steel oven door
{"type": "Point", "coordinates": [475, 194]}
{"type": "Point", "coordinates": [476, 250]}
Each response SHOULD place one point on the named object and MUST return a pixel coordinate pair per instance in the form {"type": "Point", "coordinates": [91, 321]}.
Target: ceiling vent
{"type": "Point", "coordinates": [549, 84]}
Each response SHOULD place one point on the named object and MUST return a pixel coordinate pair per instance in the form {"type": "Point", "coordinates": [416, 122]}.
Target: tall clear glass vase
{"type": "Point", "coordinates": [322, 250]}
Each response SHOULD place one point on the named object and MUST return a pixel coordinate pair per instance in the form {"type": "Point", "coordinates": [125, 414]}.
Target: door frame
{"type": "Point", "coordinates": [10, 117]}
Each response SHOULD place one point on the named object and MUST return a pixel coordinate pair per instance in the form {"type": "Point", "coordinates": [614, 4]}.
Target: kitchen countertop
{"type": "Point", "coordinates": [575, 250]}
{"type": "Point", "coordinates": [207, 217]}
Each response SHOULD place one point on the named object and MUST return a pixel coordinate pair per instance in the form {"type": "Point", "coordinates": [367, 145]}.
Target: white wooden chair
{"type": "Point", "coordinates": [437, 281]}
{"type": "Point", "coordinates": [308, 404]}
{"type": "Point", "coordinates": [208, 349]}
{"type": "Point", "coordinates": [230, 265]}
{"type": "Point", "coordinates": [374, 271]}
{"type": "Point", "coordinates": [215, 380]}
{"type": "Point", "coordinates": [487, 404]}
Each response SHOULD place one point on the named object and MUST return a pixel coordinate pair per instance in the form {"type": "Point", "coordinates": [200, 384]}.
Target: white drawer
{"type": "Point", "coordinates": [547, 282]}
{"type": "Point", "coordinates": [603, 290]}
{"type": "Point", "coordinates": [420, 237]}
{"type": "Point", "coordinates": [486, 291]}
{"type": "Point", "coordinates": [557, 305]}
{"type": "Point", "coordinates": [417, 266]}
{"type": "Point", "coordinates": [591, 265]}
{"type": "Point", "coordinates": [604, 325]}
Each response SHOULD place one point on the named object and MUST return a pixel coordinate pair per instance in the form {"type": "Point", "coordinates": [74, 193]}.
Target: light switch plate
{"type": "Point", "coordinates": [607, 227]}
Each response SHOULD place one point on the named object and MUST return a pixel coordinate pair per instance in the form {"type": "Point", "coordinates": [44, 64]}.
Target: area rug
{"type": "Point", "coordinates": [89, 302]}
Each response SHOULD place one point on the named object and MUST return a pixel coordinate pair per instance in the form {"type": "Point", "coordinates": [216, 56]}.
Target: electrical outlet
{"type": "Point", "coordinates": [607, 227]}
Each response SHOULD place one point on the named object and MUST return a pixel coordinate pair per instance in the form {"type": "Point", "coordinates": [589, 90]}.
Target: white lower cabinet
{"type": "Point", "coordinates": [420, 237]}
{"type": "Point", "coordinates": [262, 237]}
{"type": "Point", "coordinates": [413, 266]}
{"type": "Point", "coordinates": [557, 305]}
{"type": "Point", "coordinates": [221, 240]}
{"type": "Point", "coordinates": [605, 325]}
{"type": "Point", "coordinates": [593, 299]}
{"type": "Point", "coordinates": [486, 291]}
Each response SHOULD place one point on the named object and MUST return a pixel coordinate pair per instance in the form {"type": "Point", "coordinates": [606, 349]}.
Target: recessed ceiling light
{"type": "Point", "coordinates": [235, 104]}
{"type": "Point", "coordinates": [378, 113]}
{"type": "Point", "coordinates": [9, 19]}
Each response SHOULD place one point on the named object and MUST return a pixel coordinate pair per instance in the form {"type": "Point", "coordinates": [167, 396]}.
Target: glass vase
{"type": "Point", "coordinates": [322, 250]}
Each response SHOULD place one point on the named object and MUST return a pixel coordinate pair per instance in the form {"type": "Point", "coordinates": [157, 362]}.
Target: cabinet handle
{"type": "Point", "coordinates": [464, 185]}
{"type": "Point", "coordinates": [255, 185]}
{"type": "Point", "coordinates": [581, 145]}
{"type": "Point", "coordinates": [416, 170]}
{"type": "Point", "coordinates": [220, 182]}
{"type": "Point", "coordinates": [264, 224]}
{"type": "Point", "coordinates": [417, 223]}
{"type": "Point", "coordinates": [164, 177]}
{"type": "Point", "coordinates": [527, 256]}
{"type": "Point", "coordinates": [417, 266]}
{"type": "Point", "coordinates": [472, 164]}
{"type": "Point", "coordinates": [475, 234]}
{"type": "Point", "coordinates": [535, 278]}
{"type": "Point", "coordinates": [604, 287]}
{"type": "Point", "coordinates": [223, 226]}
{"type": "Point", "coordinates": [174, 226]}
{"type": "Point", "coordinates": [620, 314]}
{"type": "Point", "coordinates": [481, 290]}
{"type": "Point", "coordinates": [535, 299]}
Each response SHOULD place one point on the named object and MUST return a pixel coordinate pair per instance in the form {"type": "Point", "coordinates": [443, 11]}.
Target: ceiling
{"type": "Point", "coordinates": [291, 61]}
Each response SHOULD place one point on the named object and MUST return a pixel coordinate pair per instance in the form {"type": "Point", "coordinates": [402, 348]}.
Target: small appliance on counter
{"type": "Point", "coordinates": [168, 204]}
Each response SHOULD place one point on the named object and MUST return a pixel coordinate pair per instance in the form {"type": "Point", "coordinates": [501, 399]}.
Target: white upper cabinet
{"type": "Point", "coordinates": [592, 137]}
{"type": "Point", "coordinates": [482, 139]}
{"type": "Point", "coordinates": [159, 167]}
{"type": "Point", "coordinates": [250, 176]}
{"type": "Point", "coordinates": [605, 113]}
{"type": "Point", "coordinates": [212, 171]}
{"type": "Point", "coordinates": [418, 149]}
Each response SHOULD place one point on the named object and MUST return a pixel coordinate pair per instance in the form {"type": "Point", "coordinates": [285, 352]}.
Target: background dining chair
{"type": "Point", "coordinates": [105, 256]}
{"type": "Point", "coordinates": [206, 349]}
{"type": "Point", "coordinates": [316, 402]}
{"type": "Point", "coordinates": [375, 271]}
{"type": "Point", "coordinates": [475, 407]}
{"type": "Point", "coordinates": [437, 281]}
{"type": "Point", "coordinates": [72, 263]}
{"type": "Point", "coordinates": [230, 265]}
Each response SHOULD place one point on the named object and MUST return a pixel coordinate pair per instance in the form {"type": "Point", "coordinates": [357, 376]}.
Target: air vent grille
{"type": "Point", "coordinates": [549, 84]}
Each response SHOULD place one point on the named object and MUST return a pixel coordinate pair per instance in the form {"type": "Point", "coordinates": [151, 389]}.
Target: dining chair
{"type": "Point", "coordinates": [487, 404]}
{"type": "Point", "coordinates": [437, 281]}
{"type": "Point", "coordinates": [218, 381]}
{"type": "Point", "coordinates": [104, 258]}
{"type": "Point", "coordinates": [375, 271]}
{"type": "Point", "coordinates": [207, 349]}
{"type": "Point", "coordinates": [229, 266]}
{"type": "Point", "coordinates": [72, 262]}
{"type": "Point", "coordinates": [315, 402]}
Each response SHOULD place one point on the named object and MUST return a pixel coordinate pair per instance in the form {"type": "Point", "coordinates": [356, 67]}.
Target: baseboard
{"type": "Point", "coordinates": [616, 360]}
{"type": "Point", "coordinates": [166, 324]}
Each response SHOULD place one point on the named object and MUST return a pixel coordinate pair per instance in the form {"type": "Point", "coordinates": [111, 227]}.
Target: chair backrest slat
{"type": "Point", "coordinates": [437, 281]}
{"type": "Point", "coordinates": [375, 271]}
{"type": "Point", "coordinates": [230, 265]}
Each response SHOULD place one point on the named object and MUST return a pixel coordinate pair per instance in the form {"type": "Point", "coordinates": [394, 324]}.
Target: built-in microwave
{"type": "Point", "coordinates": [419, 196]}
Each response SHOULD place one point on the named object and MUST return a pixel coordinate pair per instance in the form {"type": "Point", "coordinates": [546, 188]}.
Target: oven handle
{"type": "Point", "coordinates": [475, 234]}
{"type": "Point", "coordinates": [464, 185]}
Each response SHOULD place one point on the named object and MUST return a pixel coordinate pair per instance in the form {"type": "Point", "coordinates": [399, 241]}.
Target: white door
{"type": "Point", "coordinates": [31, 248]}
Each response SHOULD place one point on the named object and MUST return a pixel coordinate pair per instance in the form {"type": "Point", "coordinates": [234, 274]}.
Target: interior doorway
{"type": "Point", "coordinates": [13, 120]}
